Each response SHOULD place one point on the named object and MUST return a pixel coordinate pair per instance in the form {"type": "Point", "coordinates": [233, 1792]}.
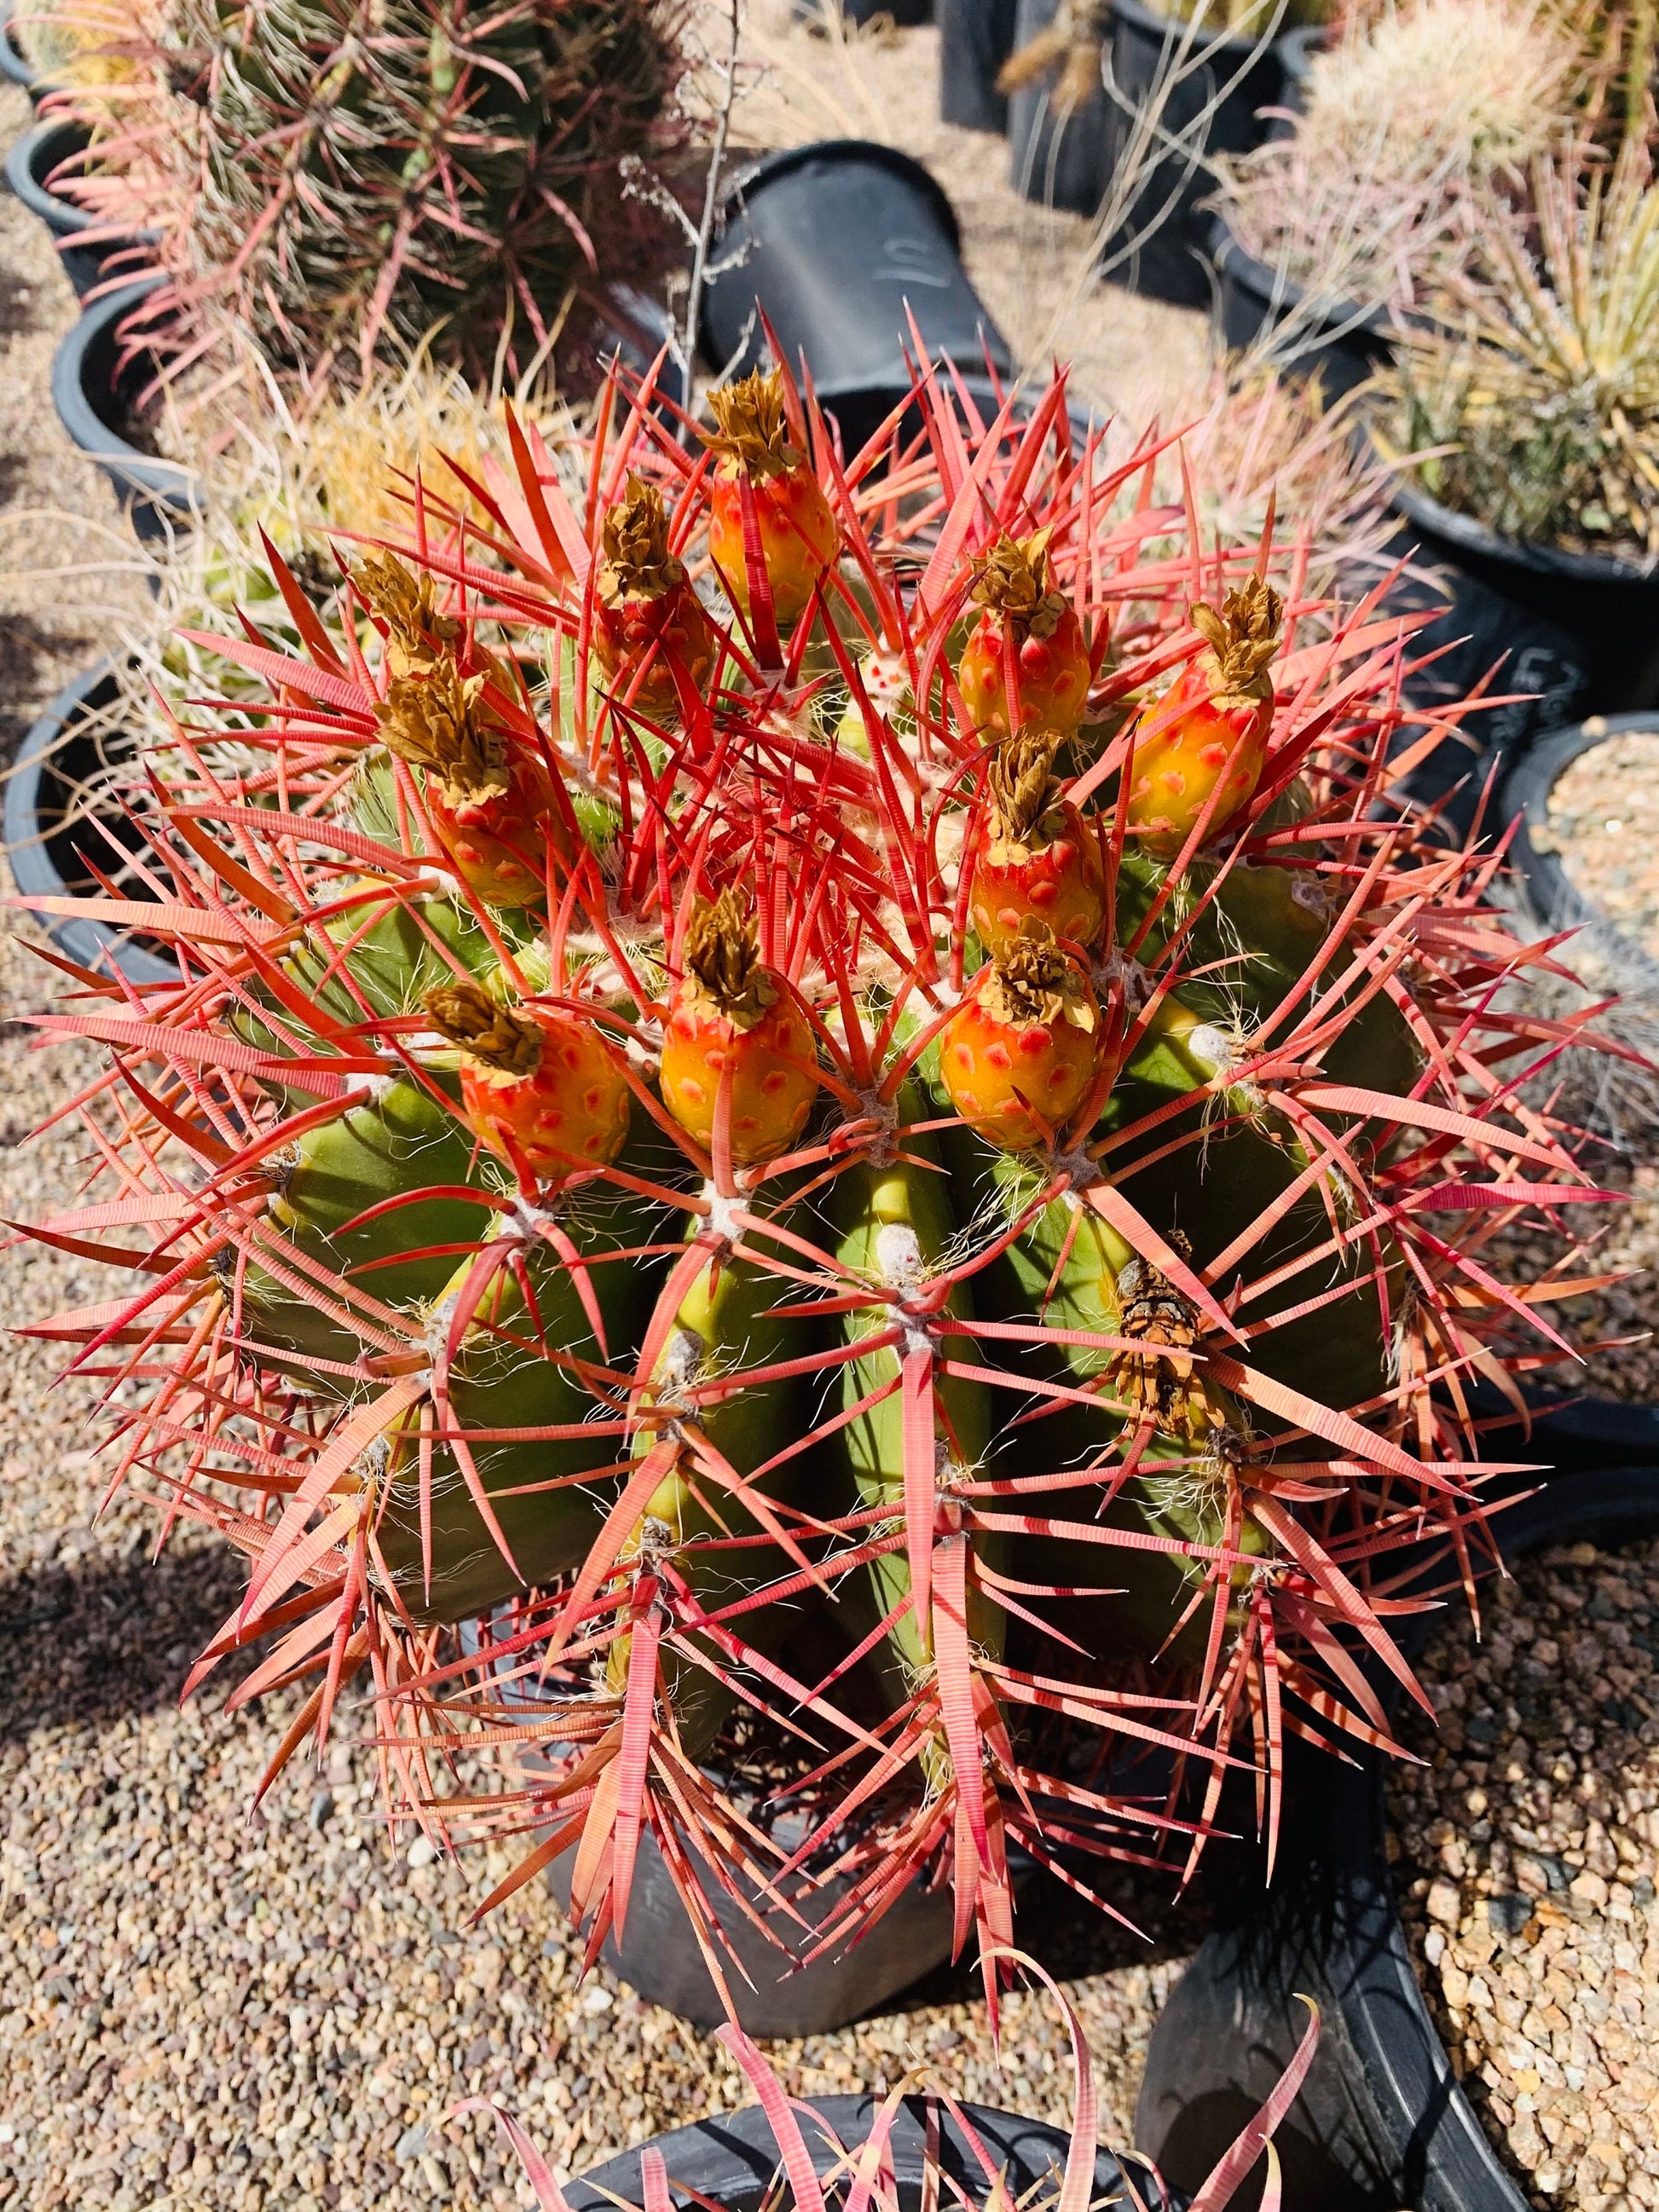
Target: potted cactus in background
{"type": "Point", "coordinates": [340, 185]}
{"type": "Point", "coordinates": [1365, 205]}
{"type": "Point", "coordinates": [899, 1231]}
{"type": "Point", "coordinates": [1533, 400]}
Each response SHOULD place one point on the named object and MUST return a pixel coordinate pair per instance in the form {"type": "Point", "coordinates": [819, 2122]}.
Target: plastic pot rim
{"type": "Point", "coordinates": [169, 486]}
{"type": "Point", "coordinates": [1467, 535]}
{"type": "Point", "coordinates": [729, 2158]}
{"type": "Point", "coordinates": [1266, 282]}
{"type": "Point", "coordinates": [1555, 900]}
{"type": "Point", "coordinates": [33, 869]}
{"type": "Point", "coordinates": [15, 66]}
{"type": "Point", "coordinates": [867, 152]}
{"type": "Point", "coordinates": [61, 216]}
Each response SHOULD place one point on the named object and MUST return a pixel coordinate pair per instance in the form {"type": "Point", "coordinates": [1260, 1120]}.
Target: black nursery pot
{"type": "Point", "coordinates": [49, 841]}
{"type": "Point", "coordinates": [975, 37]}
{"type": "Point", "coordinates": [906, 14]}
{"type": "Point", "coordinates": [29, 167]}
{"type": "Point", "coordinates": [1059, 160]}
{"type": "Point", "coordinates": [14, 66]}
{"type": "Point", "coordinates": [731, 2161]}
{"type": "Point", "coordinates": [1295, 52]}
{"type": "Point", "coordinates": [92, 389]}
{"type": "Point", "coordinates": [1607, 607]}
{"type": "Point", "coordinates": [836, 241]}
{"type": "Point", "coordinates": [1243, 76]}
{"type": "Point", "coordinates": [1342, 347]}
{"type": "Point", "coordinates": [1381, 2121]}
{"type": "Point", "coordinates": [660, 1957]}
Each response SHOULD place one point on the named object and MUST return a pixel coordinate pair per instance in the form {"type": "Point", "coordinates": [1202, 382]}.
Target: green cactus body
{"type": "Point", "coordinates": [501, 1378]}
{"type": "Point", "coordinates": [724, 1324]}
{"type": "Point", "coordinates": [897, 1227]}
{"type": "Point", "coordinates": [399, 1141]}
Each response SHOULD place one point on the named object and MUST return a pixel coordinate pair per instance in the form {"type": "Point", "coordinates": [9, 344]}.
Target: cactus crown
{"type": "Point", "coordinates": [1022, 783]}
{"type": "Point", "coordinates": [1016, 580]}
{"type": "Point", "coordinates": [1032, 980]}
{"type": "Point", "coordinates": [753, 425]}
{"type": "Point", "coordinates": [433, 722]}
{"type": "Point", "coordinates": [1243, 638]}
{"type": "Point", "coordinates": [723, 961]}
{"type": "Point", "coordinates": [487, 1031]}
{"type": "Point", "coordinates": [637, 560]}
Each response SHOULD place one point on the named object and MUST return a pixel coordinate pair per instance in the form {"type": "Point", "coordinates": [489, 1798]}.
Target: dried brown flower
{"type": "Point", "coordinates": [490, 1032]}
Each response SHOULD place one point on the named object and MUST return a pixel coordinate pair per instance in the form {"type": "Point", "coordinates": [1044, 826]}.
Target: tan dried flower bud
{"type": "Point", "coordinates": [490, 1032]}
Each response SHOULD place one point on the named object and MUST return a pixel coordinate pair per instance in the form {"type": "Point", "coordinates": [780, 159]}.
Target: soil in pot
{"type": "Point", "coordinates": [1603, 827]}
{"type": "Point", "coordinates": [1524, 1861]}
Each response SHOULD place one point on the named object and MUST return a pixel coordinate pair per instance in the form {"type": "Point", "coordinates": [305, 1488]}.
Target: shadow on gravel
{"type": "Point", "coordinates": [34, 659]}
{"type": "Point", "coordinates": [107, 1636]}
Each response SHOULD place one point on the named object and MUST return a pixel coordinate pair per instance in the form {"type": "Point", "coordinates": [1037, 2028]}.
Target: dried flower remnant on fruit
{"type": "Point", "coordinates": [484, 1028]}
{"type": "Point", "coordinates": [1155, 1313]}
{"type": "Point", "coordinates": [1033, 982]}
{"type": "Point", "coordinates": [1015, 579]}
{"type": "Point", "coordinates": [753, 425]}
{"type": "Point", "coordinates": [433, 722]}
{"type": "Point", "coordinates": [1024, 792]}
{"type": "Point", "coordinates": [637, 561]}
{"type": "Point", "coordinates": [1243, 640]}
{"type": "Point", "coordinates": [418, 636]}
{"type": "Point", "coordinates": [723, 961]}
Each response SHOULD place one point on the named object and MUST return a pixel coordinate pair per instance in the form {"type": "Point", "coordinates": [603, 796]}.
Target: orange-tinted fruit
{"type": "Point", "coordinates": [1029, 628]}
{"type": "Point", "coordinates": [1020, 1056]}
{"type": "Point", "coordinates": [647, 621]}
{"type": "Point", "coordinates": [546, 1090]}
{"type": "Point", "coordinates": [798, 534]}
{"type": "Point", "coordinates": [1216, 718]}
{"type": "Point", "coordinates": [734, 1020]}
{"type": "Point", "coordinates": [500, 839]}
{"type": "Point", "coordinates": [1037, 857]}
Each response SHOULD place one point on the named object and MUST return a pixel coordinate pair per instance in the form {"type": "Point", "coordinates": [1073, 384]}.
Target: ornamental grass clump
{"type": "Point", "coordinates": [949, 1232]}
{"type": "Point", "coordinates": [1534, 397]}
{"type": "Point", "coordinates": [345, 182]}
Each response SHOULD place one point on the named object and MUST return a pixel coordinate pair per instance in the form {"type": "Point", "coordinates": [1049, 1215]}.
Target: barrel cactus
{"type": "Point", "coordinates": [868, 1228]}
{"type": "Point", "coordinates": [345, 179]}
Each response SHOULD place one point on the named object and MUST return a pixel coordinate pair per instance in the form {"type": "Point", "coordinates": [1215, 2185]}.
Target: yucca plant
{"type": "Point", "coordinates": [1534, 396]}
{"type": "Point", "coordinates": [900, 1157]}
{"type": "Point", "coordinates": [344, 180]}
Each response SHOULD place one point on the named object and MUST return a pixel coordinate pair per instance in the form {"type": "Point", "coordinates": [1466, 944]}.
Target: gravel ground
{"type": "Point", "coordinates": [1604, 817]}
{"type": "Point", "coordinates": [1524, 1857]}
